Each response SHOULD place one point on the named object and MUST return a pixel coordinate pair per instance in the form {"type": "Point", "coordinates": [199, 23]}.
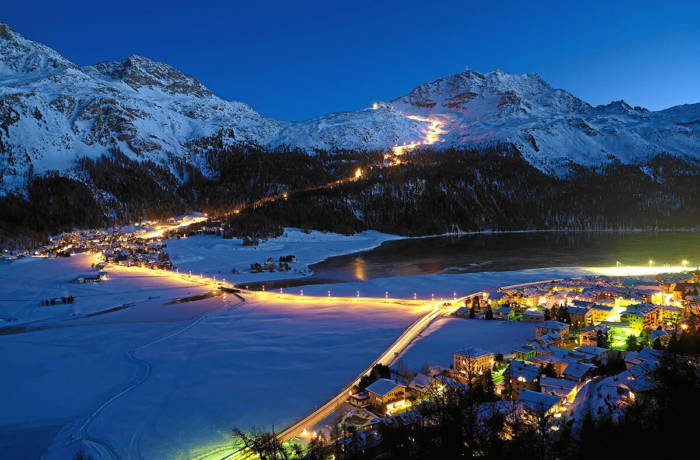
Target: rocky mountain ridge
{"type": "Point", "coordinates": [53, 113]}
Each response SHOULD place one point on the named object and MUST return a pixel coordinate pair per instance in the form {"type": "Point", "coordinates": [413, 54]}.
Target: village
{"type": "Point", "coordinates": [597, 341]}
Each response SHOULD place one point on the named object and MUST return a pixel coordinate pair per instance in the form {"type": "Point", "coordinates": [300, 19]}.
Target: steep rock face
{"type": "Point", "coordinates": [53, 112]}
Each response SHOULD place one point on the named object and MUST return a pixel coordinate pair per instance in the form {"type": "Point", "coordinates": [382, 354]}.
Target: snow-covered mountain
{"type": "Point", "coordinates": [53, 112]}
{"type": "Point", "coordinates": [551, 127]}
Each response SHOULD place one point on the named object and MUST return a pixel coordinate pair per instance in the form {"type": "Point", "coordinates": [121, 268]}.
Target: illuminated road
{"type": "Point", "coordinates": [386, 358]}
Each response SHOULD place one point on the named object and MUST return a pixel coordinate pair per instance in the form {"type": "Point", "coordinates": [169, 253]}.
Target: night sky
{"type": "Point", "coordinates": [299, 59]}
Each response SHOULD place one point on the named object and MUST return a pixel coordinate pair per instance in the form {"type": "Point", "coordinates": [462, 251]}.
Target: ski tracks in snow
{"type": "Point", "coordinates": [103, 448]}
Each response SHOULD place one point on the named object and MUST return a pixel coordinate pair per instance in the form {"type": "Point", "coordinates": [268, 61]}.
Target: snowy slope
{"type": "Point", "coordinates": [53, 112]}
{"type": "Point", "coordinates": [550, 126]}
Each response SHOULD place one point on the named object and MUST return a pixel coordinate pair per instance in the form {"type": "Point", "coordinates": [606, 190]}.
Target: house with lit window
{"type": "Point", "coordinates": [600, 313]}
{"type": "Point", "coordinates": [519, 376]}
{"type": "Point", "coordinates": [580, 315]}
{"type": "Point", "coordinates": [471, 361]}
{"type": "Point", "coordinates": [559, 328]}
{"type": "Point", "coordinates": [671, 315]}
{"type": "Point", "coordinates": [540, 403]}
{"type": "Point", "coordinates": [578, 372]}
{"type": "Point", "coordinates": [386, 395]}
{"type": "Point", "coordinates": [643, 317]}
{"type": "Point", "coordinates": [562, 388]}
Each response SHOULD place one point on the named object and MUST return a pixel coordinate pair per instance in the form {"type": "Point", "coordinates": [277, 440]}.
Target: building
{"type": "Point", "coordinates": [533, 316]}
{"type": "Point", "coordinates": [359, 399]}
{"type": "Point", "coordinates": [600, 313]}
{"type": "Point", "coordinates": [562, 388]}
{"type": "Point", "coordinates": [589, 335]}
{"type": "Point", "coordinates": [540, 403]}
{"type": "Point", "coordinates": [561, 329]}
{"type": "Point", "coordinates": [578, 372]}
{"type": "Point", "coordinates": [521, 376]}
{"type": "Point", "coordinates": [643, 317]}
{"type": "Point", "coordinates": [386, 395]}
{"type": "Point", "coordinates": [471, 361]}
{"type": "Point", "coordinates": [422, 384]}
{"type": "Point", "coordinates": [594, 353]}
{"type": "Point", "coordinates": [671, 315]}
{"type": "Point", "coordinates": [580, 315]}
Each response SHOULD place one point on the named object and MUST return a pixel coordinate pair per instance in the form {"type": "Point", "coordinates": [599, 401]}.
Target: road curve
{"type": "Point", "coordinates": [385, 358]}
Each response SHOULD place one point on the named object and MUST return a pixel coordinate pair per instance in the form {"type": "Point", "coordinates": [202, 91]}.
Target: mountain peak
{"type": "Point", "coordinates": [139, 71]}
{"type": "Point", "coordinates": [20, 56]}
{"type": "Point", "coordinates": [619, 107]}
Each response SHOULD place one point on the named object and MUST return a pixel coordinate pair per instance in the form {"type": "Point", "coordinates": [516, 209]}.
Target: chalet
{"type": "Point", "coordinates": [386, 395]}
{"type": "Point", "coordinates": [578, 372]}
{"type": "Point", "coordinates": [562, 388]}
{"type": "Point", "coordinates": [580, 315]}
{"type": "Point", "coordinates": [562, 329]}
{"type": "Point", "coordinates": [550, 338]}
{"type": "Point", "coordinates": [540, 403]}
{"type": "Point", "coordinates": [422, 384]}
{"type": "Point", "coordinates": [591, 353]}
{"type": "Point", "coordinates": [519, 376]}
{"type": "Point", "coordinates": [470, 361]}
{"type": "Point", "coordinates": [589, 335]}
{"type": "Point", "coordinates": [91, 278]}
{"type": "Point", "coordinates": [533, 316]}
{"type": "Point", "coordinates": [359, 399]}
{"type": "Point", "coordinates": [504, 313]}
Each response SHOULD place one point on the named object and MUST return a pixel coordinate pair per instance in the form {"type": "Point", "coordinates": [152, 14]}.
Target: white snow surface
{"type": "Point", "coordinates": [214, 256]}
{"type": "Point", "coordinates": [54, 112]}
{"type": "Point", "coordinates": [161, 380]}
{"type": "Point", "coordinates": [436, 346]}
{"type": "Point", "coordinates": [165, 380]}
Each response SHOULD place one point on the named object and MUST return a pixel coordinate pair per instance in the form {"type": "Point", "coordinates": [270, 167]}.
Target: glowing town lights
{"type": "Point", "coordinates": [684, 327]}
{"type": "Point", "coordinates": [358, 173]}
{"type": "Point", "coordinates": [236, 211]}
{"type": "Point", "coordinates": [637, 270]}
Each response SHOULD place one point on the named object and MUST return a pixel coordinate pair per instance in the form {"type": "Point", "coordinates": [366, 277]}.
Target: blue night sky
{"type": "Point", "coordinates": [299, 59]}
